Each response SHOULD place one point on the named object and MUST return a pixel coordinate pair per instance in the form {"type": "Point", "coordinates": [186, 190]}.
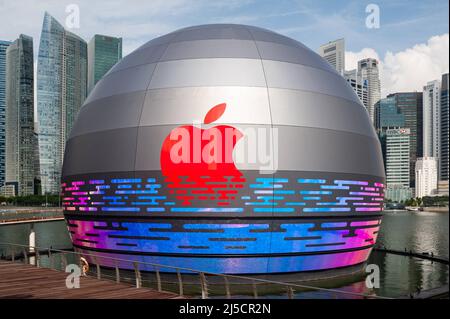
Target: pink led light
{"type": "Point", "coordinates": [368, 209]}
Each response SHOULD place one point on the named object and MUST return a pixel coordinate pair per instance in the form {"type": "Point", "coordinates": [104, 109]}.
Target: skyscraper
{"type": "Point", "coordinates": [21, 143]}
{"type": "Point", "coordinates": [431, 120]}
{"type": "Point", "coordinates": [426, 176]}
{"type": "Point", "coordinates": [103, 53]}
{"type": "Point", "coordinates": [334, 53]}
{"type": "Point", "coordinates": [3, 46]}
{"type": "Point", "coordinates": [61, 90]}
{"type": "Point", "coordinates": [444, 128]}
{"type": "Point", "coordinates": [397, 164]}
{"type": "Point", "coordinates": [359, 85]}
{"type": "Point", "coordinates": [409, 104]}
{"type": "Point", "coordinates": [368, 70]}
{"type": "Point", "coordinates": [388, 115]}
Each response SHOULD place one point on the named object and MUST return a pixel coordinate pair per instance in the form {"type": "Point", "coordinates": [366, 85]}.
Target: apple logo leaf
{"type": "Point", "coordinates": [214, 113]}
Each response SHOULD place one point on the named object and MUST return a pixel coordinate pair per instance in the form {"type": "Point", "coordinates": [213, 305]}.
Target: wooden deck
{"type": "Point", "coordinates": [26, 281]}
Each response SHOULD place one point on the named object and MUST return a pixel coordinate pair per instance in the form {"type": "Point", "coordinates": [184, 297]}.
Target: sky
{"type": "Point", "coordinates": [412, 41]}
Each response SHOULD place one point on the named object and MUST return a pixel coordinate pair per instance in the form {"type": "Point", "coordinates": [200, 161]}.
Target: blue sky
{"type": "Point", "coordinates": [412, 33]}
{"type": "Point", "coordinates": [404, 23]}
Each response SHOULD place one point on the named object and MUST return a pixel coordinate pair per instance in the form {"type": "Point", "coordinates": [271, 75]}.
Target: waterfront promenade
{"type": "Point", "coordinates": [24, 281]}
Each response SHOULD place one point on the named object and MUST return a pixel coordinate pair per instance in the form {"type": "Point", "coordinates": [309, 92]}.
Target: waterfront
{"type": "Point", "coordinates": [399, 275]}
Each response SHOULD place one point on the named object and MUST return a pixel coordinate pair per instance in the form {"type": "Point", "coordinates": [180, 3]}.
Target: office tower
{"type": "Point", "coordinates": [359, 85]}
{"type": "Point", "coordinates": [388, 115]}
{"type": "Point", "coordinates": [368, 70]}
{"type": "Point", "coordinates": [103, 53]}
{"type": "Point", "coordinates": [410, 105]}
{"type": "Point", "coordinates": [444, 140]}
{"type": "Point", "coordinates": [3, 46]}
{"type": "Point", "coordinates": [397, 164]}
{"type": "Point", "coordinates": [426, 176]}
{"type": "Point", "coordinates": [61, 90]}
{"type": "Point", "coordinates": [334, 53]}
{"type": "Point", "coordinates": [21, 144]}
{"type": "Point", "coordinates": [431, 120]}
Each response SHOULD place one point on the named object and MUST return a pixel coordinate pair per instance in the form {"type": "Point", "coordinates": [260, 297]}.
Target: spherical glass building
{"type": "Point", "coordinates": [227, 149]}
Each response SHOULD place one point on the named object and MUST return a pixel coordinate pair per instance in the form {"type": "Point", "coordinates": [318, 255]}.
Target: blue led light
{"type": "Point", "coordinates": [310, 181]}
{"type": "Point", "coordinates": [315, 192]}
{"type": "Point", "coordinates": [326, 209]}
{"type": "Point", "coordinates": [125, 180]}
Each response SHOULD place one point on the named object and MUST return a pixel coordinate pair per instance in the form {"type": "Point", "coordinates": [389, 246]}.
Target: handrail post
{"type": "Point", "coordinates": [203, 285]}
{"type": "Point", "coordinates": [158, 280]}
{"type": "Point", "coordinates": [38, 256]}
{"type": "Point", "coordinates": [64, 261]}
{"type": "Point", "coordinates": [50, 258]}
{"type": "Point", "coordinates": [290, 292]}
{"type": "Point", "coordinates": [13, 253]}
{"type": "Point", "coordinates": [117, 274]}
{"type": "Point", "coordinates": [180, 282]}
{"type": "Point", "coordinates": [227, 287]}
{"type": "Point", "coordinates": [255, 291]}
{"type": "Point", "coordinates": [25, 255]}
{"type": "Point", "coordinates": [97, 265]}
{"type": "Point", "coordinates": [137, 275]}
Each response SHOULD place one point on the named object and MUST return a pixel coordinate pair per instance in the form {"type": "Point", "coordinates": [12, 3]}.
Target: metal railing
{"type": "Point", "coordinates": [202, 281]}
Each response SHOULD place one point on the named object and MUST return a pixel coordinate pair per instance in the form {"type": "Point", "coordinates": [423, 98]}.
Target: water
{"type": "Point", "coordinates": [399, 275]}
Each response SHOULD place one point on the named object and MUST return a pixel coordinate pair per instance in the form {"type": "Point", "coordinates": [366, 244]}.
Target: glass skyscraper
{"type": "Point", "coordinates": [444, 128]}
{"type": "Point", "coordinates": [3, 46]}
{"type": "Point", "coordinates": [397, 164]}
{"type": "Point", "coordinates": [61, 90]}
{"type": "Point", "coordinates": [21, 142]}
{"type": "Point", "coordinates": [103, 53]}
{"type": "Point", "coordinates": [410, 105]}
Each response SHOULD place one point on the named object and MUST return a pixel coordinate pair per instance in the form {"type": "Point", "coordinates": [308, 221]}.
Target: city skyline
{"type": "Point", "coordinates": [409, 32]}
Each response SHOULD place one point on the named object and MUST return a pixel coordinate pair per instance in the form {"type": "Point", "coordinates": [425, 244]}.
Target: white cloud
{"type": "Point", "coordinates": [410, 69]}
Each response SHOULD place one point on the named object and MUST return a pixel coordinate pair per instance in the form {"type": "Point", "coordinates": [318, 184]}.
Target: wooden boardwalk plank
{"type": "Point", "coordinates": [26, 281]}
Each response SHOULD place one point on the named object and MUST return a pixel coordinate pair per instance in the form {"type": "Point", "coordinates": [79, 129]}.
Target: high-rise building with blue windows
{"type": "Point", "coordinates": [3, 46]}
{"type": "Point", "coordinates": [103, 53]}
{"type": "Point", "coordinates": [21, 141]}
{"type": "Point", "coordinates": [61, 90]}
{"type": "Point", "coordinates": [444, 154]}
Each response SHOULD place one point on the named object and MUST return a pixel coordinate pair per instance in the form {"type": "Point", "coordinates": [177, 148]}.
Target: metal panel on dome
{"type": "Point", "coordinates": [324, 150]}
{"type": "Point", "coordinates": [310, 109]}
{"type": "Point", "coordinates": [125, 81]}
{"type": "Point", "coordinates": [298, 55]}
{"type": "Point", "coordinates": [111, 112]}
{"type": "Point", "coordinates": [148, 55]}
{"type": "Point", "coordinates": [184, 105]}
{"type": "Point", "coordinates": [214, 48]}
{"type": "Point", "coordinates": [213, 32]}
{"type": "Point", "coordinates": [298, 77]}
{"type": "Point", "coordinates": [107, 151]}
{"type": "Point", "coordinates": [208, 72]}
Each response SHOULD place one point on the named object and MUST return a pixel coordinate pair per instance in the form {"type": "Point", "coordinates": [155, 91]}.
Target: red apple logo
{"type": "Point", "coordinates": [198, 163]}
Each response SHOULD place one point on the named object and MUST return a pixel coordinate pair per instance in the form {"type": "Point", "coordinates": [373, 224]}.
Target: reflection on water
{"type": "Point", "coordinates": [399, 275]}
